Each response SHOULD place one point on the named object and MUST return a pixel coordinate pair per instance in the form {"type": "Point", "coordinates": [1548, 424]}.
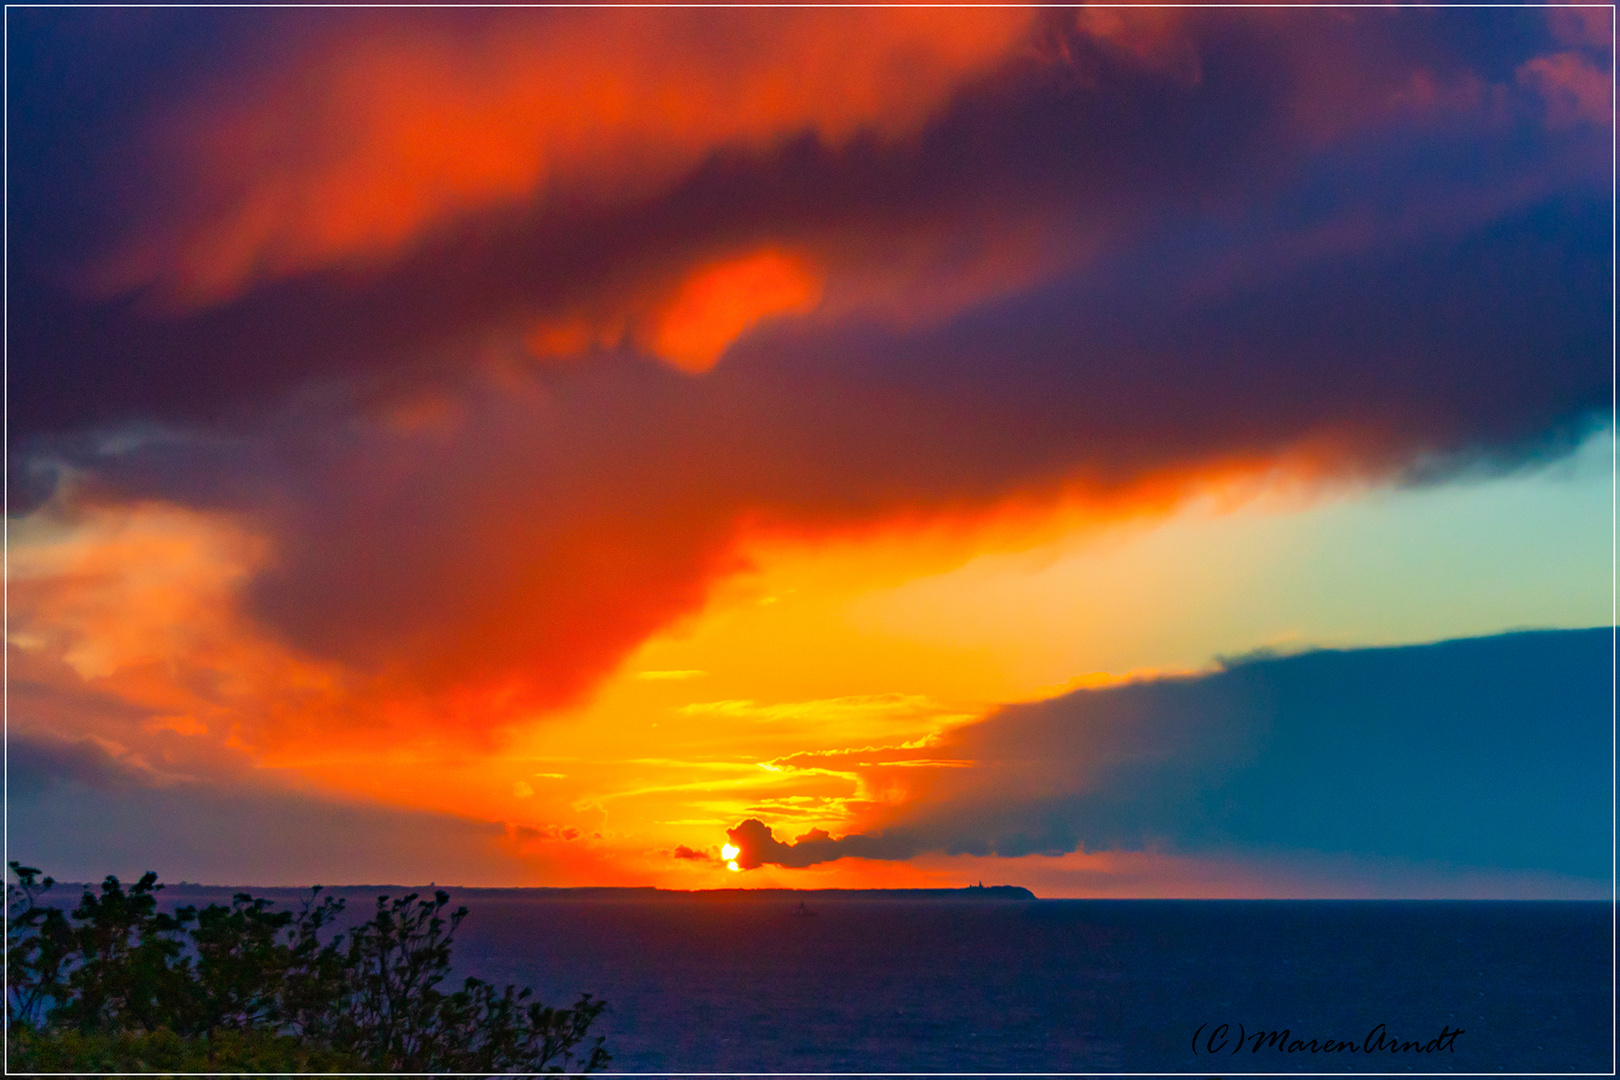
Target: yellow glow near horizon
{"type": "Point", "coordinates": [891, 639]}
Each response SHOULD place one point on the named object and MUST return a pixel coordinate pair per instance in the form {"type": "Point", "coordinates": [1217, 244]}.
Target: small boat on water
{"type": "Point", "coordinates": [802, 910]}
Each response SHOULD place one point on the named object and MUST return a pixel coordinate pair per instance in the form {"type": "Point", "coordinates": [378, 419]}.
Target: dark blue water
{"type": "Point", "coordinates": [737, 983]}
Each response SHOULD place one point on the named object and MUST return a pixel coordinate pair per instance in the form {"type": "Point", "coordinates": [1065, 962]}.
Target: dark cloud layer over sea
{"type": "Point", "coordinates": [1478, 752]}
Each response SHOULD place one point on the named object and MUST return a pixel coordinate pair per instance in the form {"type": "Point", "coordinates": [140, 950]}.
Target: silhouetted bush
{"type": "Point", "coordinates": [117, 985]}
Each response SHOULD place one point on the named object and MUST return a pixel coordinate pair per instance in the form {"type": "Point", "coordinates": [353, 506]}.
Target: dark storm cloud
{"type": "Point", "coordinates": [1477, 752]}
{"type": "Point", "coordinates": [1037, 149]}
{"type": "Point", "coordinates": [1201, 243]}
{"type": "Point", "coordinates": [756, 846]}
{"type": "Point", "coordinates": [549, 534]}
{"type": "Point", "coordinates": [1073, 139]}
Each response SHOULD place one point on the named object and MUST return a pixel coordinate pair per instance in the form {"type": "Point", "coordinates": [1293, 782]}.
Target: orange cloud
{"type": "Point", "coordinates": [396, 126]}
{"type": "Point", "coordinates": [689, 322]}
{"type": "Point", "coordinates": [719, 304]}
{"type": "Point", "coordinates": [141, 609]}
{"type": "Point", "coordinates": [115, 589]}
{"type": "Point", "coordinates": [127, 629]}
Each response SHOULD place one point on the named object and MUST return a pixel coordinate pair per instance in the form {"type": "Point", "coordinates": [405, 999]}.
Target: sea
{"type": "Point", "coordinates": [996, 981]}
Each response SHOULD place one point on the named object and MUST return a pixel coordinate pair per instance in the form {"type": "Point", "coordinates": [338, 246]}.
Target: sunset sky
{"type": "Point", "coordinates": [909, 446]}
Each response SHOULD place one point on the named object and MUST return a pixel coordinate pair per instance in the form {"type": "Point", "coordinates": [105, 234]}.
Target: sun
{"type": "Point", "coordinates": [729, 853]}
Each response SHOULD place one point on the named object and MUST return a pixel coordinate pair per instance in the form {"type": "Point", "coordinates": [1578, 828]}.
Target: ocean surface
{"type": "Point", "coordinates": [737, 982]}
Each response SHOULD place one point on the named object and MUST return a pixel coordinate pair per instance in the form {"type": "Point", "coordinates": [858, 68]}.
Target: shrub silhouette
{"type": "Point", "coordinates": [118, 984]}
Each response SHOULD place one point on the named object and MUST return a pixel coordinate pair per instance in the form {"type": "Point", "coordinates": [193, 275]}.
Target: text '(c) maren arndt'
{"type": "Point", "coordinates": [1220, 1039]}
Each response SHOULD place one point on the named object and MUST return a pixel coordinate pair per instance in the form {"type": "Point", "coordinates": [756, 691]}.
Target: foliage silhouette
{"type": "Point", "coordinates": [118, 984]}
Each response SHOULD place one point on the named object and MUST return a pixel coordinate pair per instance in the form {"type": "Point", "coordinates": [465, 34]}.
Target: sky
{"type": "Point", "coordinates": [1120, 452]}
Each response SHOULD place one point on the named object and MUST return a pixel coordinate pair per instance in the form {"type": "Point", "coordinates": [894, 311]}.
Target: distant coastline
{"type": "Point", "coordinates": [970, 893]}
{"type": "Point", "coordinates": [67, 892]}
